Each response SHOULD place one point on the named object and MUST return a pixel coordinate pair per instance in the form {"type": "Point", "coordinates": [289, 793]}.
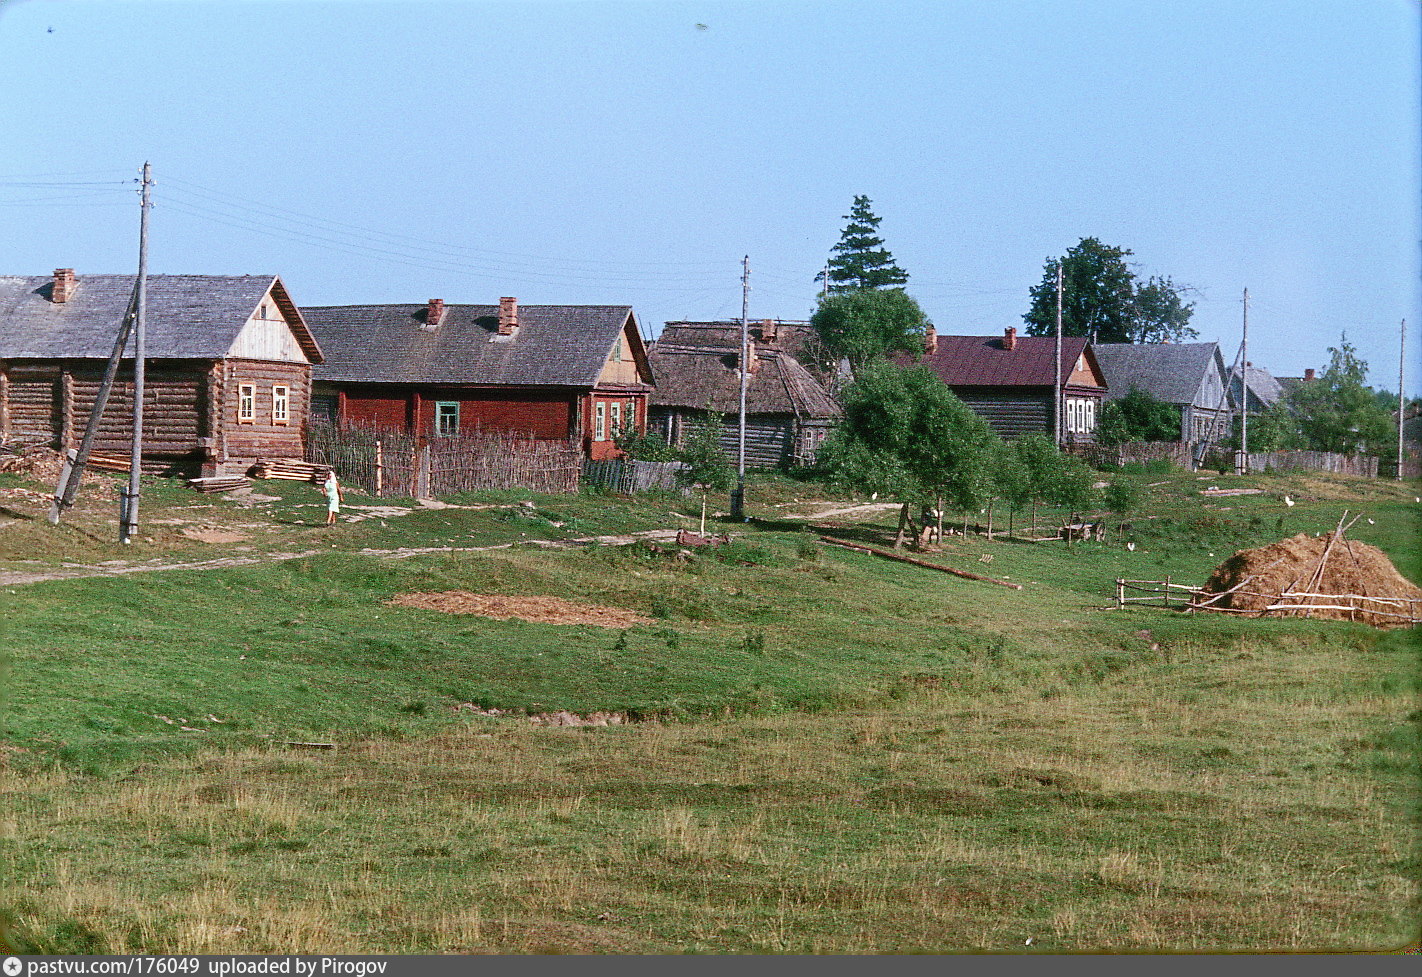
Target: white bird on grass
{"type": "Point", "coordinates": [1288, 501]}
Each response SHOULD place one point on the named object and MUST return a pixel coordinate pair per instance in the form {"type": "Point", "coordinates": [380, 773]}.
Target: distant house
{"type": "Point", "coordinates": [1189, 376]}
{"type": "Point", "coordinates": [697, 365]}
{"type": "Point", "coordinates": [1258, 391]}
{"type": "Point", "coordinates": [1288, 385]}
{"type": "Point", "coordinates": [549, 372]}
{"type": "Point", "coordinates": [227, 367]}
{"type": "Point", "coordinates": [1009, 380]}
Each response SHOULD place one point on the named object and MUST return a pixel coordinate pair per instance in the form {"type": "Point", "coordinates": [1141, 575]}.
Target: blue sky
{"type": "Point", "coordinates": [600, 152]}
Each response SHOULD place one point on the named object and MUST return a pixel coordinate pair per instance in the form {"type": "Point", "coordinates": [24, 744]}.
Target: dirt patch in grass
{"type": "Point", "coordinates": [539, 610]}
{"type": "Point", "coordinates": [1254, 581]}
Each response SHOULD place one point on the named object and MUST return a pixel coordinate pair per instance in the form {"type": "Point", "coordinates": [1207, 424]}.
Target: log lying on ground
{"type": "Point", "coordinates": [218, 483]}
{"type": "Point", "coordinates": [921, 563]}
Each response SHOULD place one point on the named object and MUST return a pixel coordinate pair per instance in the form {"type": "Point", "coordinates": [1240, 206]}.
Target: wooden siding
{"type": "Point", "coordinates": [267, 339]}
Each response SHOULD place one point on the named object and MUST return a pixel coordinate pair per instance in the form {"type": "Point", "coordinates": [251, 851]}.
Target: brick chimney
{"type": "Point", "coordinates": [752, 361]}
{"type": "Point", "coordinates": [63, 285]}
{"type": "Point", "coordinates": [767, 332]}
{"type": "Point", "coordinates": [1009, 338]}
{"type": "Point", "coordinates": [434, 313]}
{"type": "Point", "coordinates": [930, 340]}
{"type": "Point", "coordinates": [1308, 373]}
{"type": "Point", "coordinates": [508, 315]}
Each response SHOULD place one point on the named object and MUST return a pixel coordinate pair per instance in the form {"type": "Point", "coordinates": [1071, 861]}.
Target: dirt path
{"type": "Point", "coordinates": [117, 568]}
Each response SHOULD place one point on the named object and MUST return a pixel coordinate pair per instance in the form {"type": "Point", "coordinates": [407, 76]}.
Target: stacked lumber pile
{"type": "Point", "coordinates": [108, 463]}
{"type": "Point", "coordinates": [299, 471]}
{"type": "Point", "coordinates": [219, 483]}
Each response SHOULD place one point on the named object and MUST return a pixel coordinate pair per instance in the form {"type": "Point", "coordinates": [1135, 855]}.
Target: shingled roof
{"type": "Point", "coordinates": [186, 316]}
{"type": "Point", "coordinates": [558, 345]}
{"type": "Point", "coordinates": [985, 361]}
{"type": "Point", "coordinates": [1169, 372]}
{"type": "Point", "coordinates": [705, 375]}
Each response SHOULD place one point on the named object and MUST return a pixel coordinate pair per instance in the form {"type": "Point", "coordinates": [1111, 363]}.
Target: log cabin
{"type": "Point", "coordinates": [697, 364]}
{"type": "Point", "coordinates": [548, 372]}
{"type": "Point", "coordinates": [227, 367]}
{"type": "Point", "coordinates": [1009, 381]}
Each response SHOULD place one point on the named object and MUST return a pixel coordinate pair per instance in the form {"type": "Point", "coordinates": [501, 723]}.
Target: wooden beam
{"type": "Point", "coordinates": [921, 563]}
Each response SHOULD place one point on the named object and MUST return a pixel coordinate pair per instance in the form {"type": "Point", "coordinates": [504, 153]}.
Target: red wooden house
{"type": "Point", "coordinates": [549, 372]}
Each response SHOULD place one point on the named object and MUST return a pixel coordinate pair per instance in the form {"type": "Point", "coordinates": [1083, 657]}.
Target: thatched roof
{"type": "Point", "coordinates": [705, 375]}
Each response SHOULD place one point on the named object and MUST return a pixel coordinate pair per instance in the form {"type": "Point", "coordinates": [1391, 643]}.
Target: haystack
{"type": "Point", "coordinates": [1342, 579]}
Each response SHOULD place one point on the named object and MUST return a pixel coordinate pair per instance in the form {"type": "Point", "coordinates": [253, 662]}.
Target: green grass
{"type": "Point", "coordinates": [831, 753]}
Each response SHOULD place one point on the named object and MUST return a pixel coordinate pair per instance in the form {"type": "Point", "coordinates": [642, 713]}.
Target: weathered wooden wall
{"type": "Point", "coordinates": [770, 438]}
{"type": "Point", "coordinates": [239, 443]}
{"type": "Point", "coordinates": [1010, 413]}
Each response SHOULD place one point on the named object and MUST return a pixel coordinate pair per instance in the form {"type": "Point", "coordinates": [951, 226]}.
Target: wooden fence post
{"type": "Point", "coordinates": [379, 470]}
{"type": "Point", "coordinates": [1167, 590]}
{"type": "Point", "coordinates": [1120, 593]}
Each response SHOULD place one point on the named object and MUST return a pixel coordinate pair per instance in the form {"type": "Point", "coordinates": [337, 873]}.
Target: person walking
{"type": "Point", "coordinates": [333, 497]}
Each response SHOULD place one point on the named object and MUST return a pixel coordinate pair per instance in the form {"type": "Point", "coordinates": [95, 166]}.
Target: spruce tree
{"type": "Point", "coordinates": [859, 260]}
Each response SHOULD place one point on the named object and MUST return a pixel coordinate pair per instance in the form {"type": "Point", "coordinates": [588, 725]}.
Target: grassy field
{"type": "Point", "coordinates": [826, 752]}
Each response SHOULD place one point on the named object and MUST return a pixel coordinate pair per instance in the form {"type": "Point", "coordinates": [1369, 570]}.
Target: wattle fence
{"type": "Point", "coordinates": [393, 463]}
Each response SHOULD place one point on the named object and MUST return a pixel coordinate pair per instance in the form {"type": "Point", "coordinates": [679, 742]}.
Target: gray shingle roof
{"type": "Point", "coordinates": [557, 345]}
{"type": "Point", "coordinates": [702, 376]}
{"type": "Point", "coordinates": [187, 316]}
{"type": "Point", "coordinates": [1169, 372]}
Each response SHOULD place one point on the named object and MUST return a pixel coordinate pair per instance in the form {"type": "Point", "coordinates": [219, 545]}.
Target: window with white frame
{"type": "Point", "coordinates": [600, 422]}
{"type": "Point", "coordinates": [616, 419]}
{"type": "Point", "coordinates": [246, 403]}
{"type": "Point", "coordinates": [281, 412]}
{"type": "Point", "coordinates": [1080, 415]}
{"type": "Point", "coordinates": [446, 418]}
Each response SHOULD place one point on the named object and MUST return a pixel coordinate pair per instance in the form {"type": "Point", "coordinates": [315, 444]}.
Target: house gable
{"type": "Point", "coordinates": [268, 334]}
{"type": "Point", "coordinates": [626, 361]}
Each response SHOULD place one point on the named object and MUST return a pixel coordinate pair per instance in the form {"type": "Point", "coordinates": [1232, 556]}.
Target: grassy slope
{"type": "Point", "coordinates": [864, 757]}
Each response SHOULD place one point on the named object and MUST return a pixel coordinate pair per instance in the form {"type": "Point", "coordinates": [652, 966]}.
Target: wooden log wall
{"type": "Point", "coordinates": [1011, 414]}
{"type": "Point", "coordinates": [243, 443]}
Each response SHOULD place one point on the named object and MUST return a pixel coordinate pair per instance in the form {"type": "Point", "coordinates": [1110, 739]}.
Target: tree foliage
{"type": "Point", "coordinates": [1338, 411]}
{"type": "Point", "coordinates": [860, 260]}
{"type": "Point", "coordinates": [1102, 298]}
{"type": "Point", "coordinates": [867, 323]}
{"type": "Point", "coordinates": [905, 435]}
{"type": "Point", "coordinates": [1137, 416]}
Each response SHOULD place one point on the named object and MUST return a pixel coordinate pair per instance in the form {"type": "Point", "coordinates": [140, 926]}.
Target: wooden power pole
{"type": "Point", "coordinates": [738, 497]}
{"type": "Point", "coordinates": [128, 503]}
{"type": "Point", "coordinates": [1242, 465]}
{"type": "Point", "coordinates": [1401, 400]}
{"type": "Point", "coordinates": [1057, 372]}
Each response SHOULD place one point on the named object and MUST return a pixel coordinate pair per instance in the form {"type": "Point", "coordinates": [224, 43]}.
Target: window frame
{"type": "Point", "coordinates": [599, 421]}
{"type": "Point", "coordinates": [246, 403]}
{"type": "Point", "coordinates": [281, 398]}
{"type": "Point", "coordinates": [614, 419]}
{"type": "Point", "coordinates": [442, 415]}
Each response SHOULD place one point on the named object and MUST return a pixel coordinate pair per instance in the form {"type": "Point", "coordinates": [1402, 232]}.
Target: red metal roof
{"type": "Point", "coordinates": [984, 361]}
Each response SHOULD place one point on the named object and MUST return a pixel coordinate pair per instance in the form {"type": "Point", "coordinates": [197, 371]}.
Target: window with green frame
{"type": "Point", "coordinates": [446, 418]}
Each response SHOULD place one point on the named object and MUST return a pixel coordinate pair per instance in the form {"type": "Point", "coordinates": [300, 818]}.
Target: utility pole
{"type": "Point", "coordinates": [738, 497]}
{"type": "Point", "coordinates": [824, 289]}
{"type": "Point", "coordinates": [1401, 400]}
{"type": "Point", "coordinates": [1057, 372]}
{"type": "Point", "coordinates": [128, 504]}
{"type": "Point", "coordinates": [1242, 464]}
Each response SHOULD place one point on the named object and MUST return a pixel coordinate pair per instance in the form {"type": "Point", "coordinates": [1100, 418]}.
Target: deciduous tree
{"type": "Point", "coordinates": [1102, 298]}
{"type": "Point", "coordinates": [866, 323]}
{"type": "Point", "coordinates": [906, 436]}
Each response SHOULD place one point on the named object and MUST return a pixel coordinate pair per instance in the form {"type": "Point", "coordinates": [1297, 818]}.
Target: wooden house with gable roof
{"type": "Point", "coordinates": [227, 367]}
{"type": "Point", "coordinates": [1009, 381]}
{"type": "Point", "coordinates": [1191, 377]}
{"type": "Point", "coordinates": [548, 372]}
{"type": "Point", "coordinates": [697, 365]}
